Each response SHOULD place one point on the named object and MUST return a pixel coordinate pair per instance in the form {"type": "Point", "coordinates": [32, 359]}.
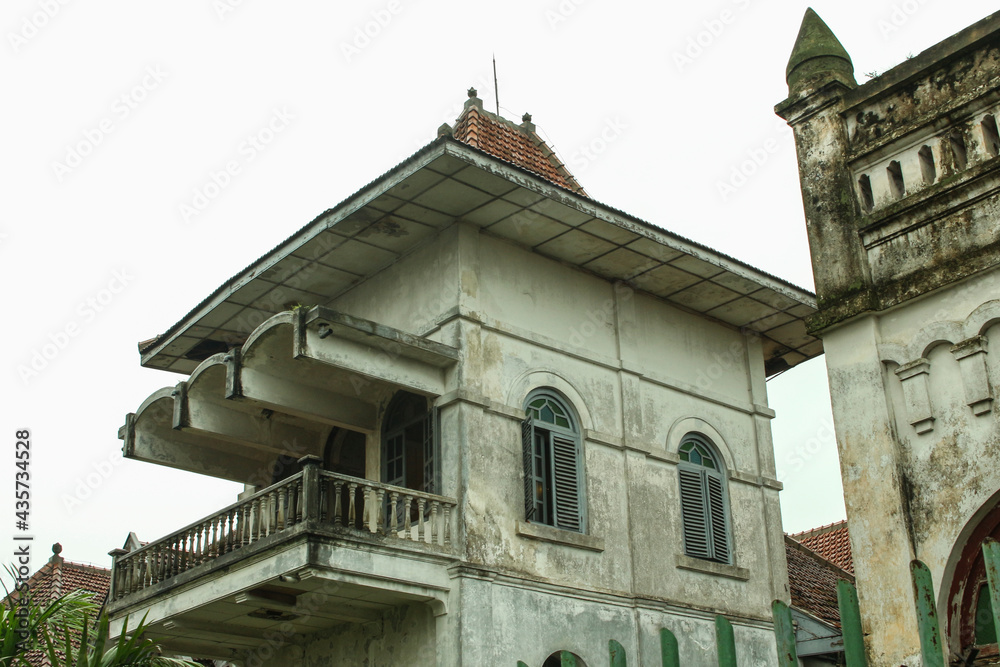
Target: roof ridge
{"type": "Point", "coordinates": [819, 530]}
{"type": "Point", "coordinates": [798, 546]}
{"type": "Point", "coordinates": [523, 146]}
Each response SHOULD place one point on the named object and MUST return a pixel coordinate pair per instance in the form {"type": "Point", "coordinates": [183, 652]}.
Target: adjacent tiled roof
{"type": "Point", "coordinates": [832, 542]}
{"type": "Point", "coordinates": [59, 577]}
{"type": "Point", "coordinates": [517, 144]}
{"type": "Point", "coordinates": [812, 582]}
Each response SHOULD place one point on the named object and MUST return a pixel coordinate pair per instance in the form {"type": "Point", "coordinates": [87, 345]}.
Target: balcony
{"type": "Point", "coordinates": [313, 551]}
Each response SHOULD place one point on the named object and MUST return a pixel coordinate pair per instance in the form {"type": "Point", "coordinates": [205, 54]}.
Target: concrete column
{"type": "Point", "coordinates": [875, 491]}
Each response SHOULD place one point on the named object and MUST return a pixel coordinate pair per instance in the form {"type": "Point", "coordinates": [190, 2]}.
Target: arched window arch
{"type": "Point", "coordinates": [408, 452]}
{"type": "Point", "coordinates": [704, 500]}
{"type": "Point", "coordinates": [553, 466]}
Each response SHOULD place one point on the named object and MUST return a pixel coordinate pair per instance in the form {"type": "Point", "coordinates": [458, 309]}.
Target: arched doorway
{"type": "Point", "coordinates": [564, 659]}
{"type": "Point", "coordinates": [970, 614]}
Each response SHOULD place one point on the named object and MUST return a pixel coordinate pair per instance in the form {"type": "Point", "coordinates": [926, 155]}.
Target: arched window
{"type": "Point", "coordinates": [704, 500]}
{"type": "Point", "coordinates": [408, 458]}
{"type": "Point", "coordinates": [553, 469]}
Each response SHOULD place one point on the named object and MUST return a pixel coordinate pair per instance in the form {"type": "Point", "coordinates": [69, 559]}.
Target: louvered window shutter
{"type": "Point", "coordinates": [693, 513]}
{"type": "Point", "coordinates": [566, 483]}
{"type": "Point", "coordinates": [527, 442]}
{"type": "Point", "coordinates": [717, 518]}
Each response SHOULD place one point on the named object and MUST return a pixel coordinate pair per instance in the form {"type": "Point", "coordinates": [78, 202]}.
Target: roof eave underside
{"type": "Point", "coordinates": [566, 226]}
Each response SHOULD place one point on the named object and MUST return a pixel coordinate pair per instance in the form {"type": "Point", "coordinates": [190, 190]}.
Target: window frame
{"type": "Point", "coordinates": [545, 447]}
{"type": "Point", "coordinates": [702, 512]}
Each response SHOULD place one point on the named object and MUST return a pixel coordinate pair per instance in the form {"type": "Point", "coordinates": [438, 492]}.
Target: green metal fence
{"type": "Point", "coordinates": [932, 649]}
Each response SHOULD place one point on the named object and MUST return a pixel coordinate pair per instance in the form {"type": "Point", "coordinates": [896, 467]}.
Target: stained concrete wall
{"type": "Point", "coordinates": [402, 636]}
{"type": "Point", "coordinates": [906, 329]}
{"type": "Point", "coordinates": [640, 374]}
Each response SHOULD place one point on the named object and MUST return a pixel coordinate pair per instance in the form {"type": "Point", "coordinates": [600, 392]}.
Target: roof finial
{"type": "Point", "coordinates": [526, 118]}
{"type": "Point", "coordinates": [57, 548]}
{"type": "Point", "coordinates": [473, 92]}
{"type": "Point", "coordinates": [817, 56]}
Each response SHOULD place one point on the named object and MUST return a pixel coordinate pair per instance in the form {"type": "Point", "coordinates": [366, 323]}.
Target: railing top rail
{"type": "Point", "coordinates": [388, 487]}
{"type": "Point", "coordinates": [224, 510]}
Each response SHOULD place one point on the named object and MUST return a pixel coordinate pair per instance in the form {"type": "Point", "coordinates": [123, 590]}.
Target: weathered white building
{"type": "Point", "coordinates": [901, 187]}
{"type": "Point", "coordinates": [481, 418]}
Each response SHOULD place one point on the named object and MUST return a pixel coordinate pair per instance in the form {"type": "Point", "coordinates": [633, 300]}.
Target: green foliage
{"type": "Point", "coordinates": [31, 627]}
{"type": "Point", "coordinates": [24, 626]}
{"type": "Point", "coordinates": [135, 650]}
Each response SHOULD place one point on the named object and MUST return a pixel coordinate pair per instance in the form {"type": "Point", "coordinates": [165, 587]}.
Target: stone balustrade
{"type": "Point", "coordinates": [330, 500]}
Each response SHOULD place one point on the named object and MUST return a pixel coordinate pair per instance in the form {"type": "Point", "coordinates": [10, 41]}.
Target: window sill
{"type": "Point", "coordinates": [537, 531]}
{"type": "Point", "coordinates": [709, 567]}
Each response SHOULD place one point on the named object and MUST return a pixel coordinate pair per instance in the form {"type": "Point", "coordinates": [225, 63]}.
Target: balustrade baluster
{"type": "Point", "coordinates": [352, 511]}
{"type": "Point", "coordinates": [393, 519]}
{"type": "Point", "coordinates": [446, 526]}
{"type": "Point", "coordinates": [434, 529]}
{"type": "Point", "coordinates": [407, 505]}
{"type": "Point", "coordinates": [421, 525]}
{"type": "Point", "coordinates": [299, 501]}
{"type": "Point", "coordinates": [378, 522]}
{"type": "Point", "coordinates": [338, 509]}
{"type": "Point", "coordinates": [227, 531]}
{"type": "Point", "coordinates": [282, 510]}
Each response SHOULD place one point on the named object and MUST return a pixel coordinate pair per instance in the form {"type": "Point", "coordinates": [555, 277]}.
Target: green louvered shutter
{"type": "Point", "coordinates": [717, 519]}
{"type": "Point", "coordinates": [527, 444]}
{"type": "Point", "coordinates": [694, 514]}
{"type": "Point", "coordinates": [566, 483]}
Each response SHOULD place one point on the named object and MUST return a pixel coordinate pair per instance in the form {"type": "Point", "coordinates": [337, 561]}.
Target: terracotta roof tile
{"type": "Point", "coordinates": [517, 144]}
{"type": "Point", "coordinates": [58, 577]}
{"type": "Point", "coordinates": [812, 582]}
{"type": "Point", "coordinates": [832, 542]}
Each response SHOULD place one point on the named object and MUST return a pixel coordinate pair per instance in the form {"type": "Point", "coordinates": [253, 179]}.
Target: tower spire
{"type": "Point", "coordinates": [817, 56]}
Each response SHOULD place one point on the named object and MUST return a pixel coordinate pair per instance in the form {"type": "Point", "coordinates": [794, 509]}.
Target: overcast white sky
{"type": "Point", "coordinates": [119, 112]}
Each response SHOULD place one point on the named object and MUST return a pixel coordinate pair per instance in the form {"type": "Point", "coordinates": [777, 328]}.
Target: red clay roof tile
{"type": "Point", "coordinates": [517, 144]}
{"type": "Point", "coordinates": [832, 542]}
{"type": "Point", "coordinates": [812, 582]}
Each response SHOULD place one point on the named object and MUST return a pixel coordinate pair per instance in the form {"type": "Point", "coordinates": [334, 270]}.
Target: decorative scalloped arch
{"type": "Point", "coordinates": [982, 318]}
{"type": "Point", "coordinates": [893, 353]}
{"type": "Point", "coordinates": [932, 335]}
{"type": "Point", "coordinates": [549, 378]}
{"type": "Point", "coordinates": [686, 425]}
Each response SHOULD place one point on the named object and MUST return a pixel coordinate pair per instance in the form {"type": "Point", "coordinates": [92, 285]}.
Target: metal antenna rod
{"type": "Point", "coordinates": [496, 86]}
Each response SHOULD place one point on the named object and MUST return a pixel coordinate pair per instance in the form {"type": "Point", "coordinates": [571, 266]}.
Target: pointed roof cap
{"type": "Point", "coordinates": [518, 144]}
{"type": "Point", "coordinates": [817, 54]}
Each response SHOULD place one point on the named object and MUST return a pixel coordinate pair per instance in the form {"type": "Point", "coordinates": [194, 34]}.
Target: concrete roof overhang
{"type": "Point", "coordinates": [448, 181]}
{"type": "Point", "coordinates": [299, 374]}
